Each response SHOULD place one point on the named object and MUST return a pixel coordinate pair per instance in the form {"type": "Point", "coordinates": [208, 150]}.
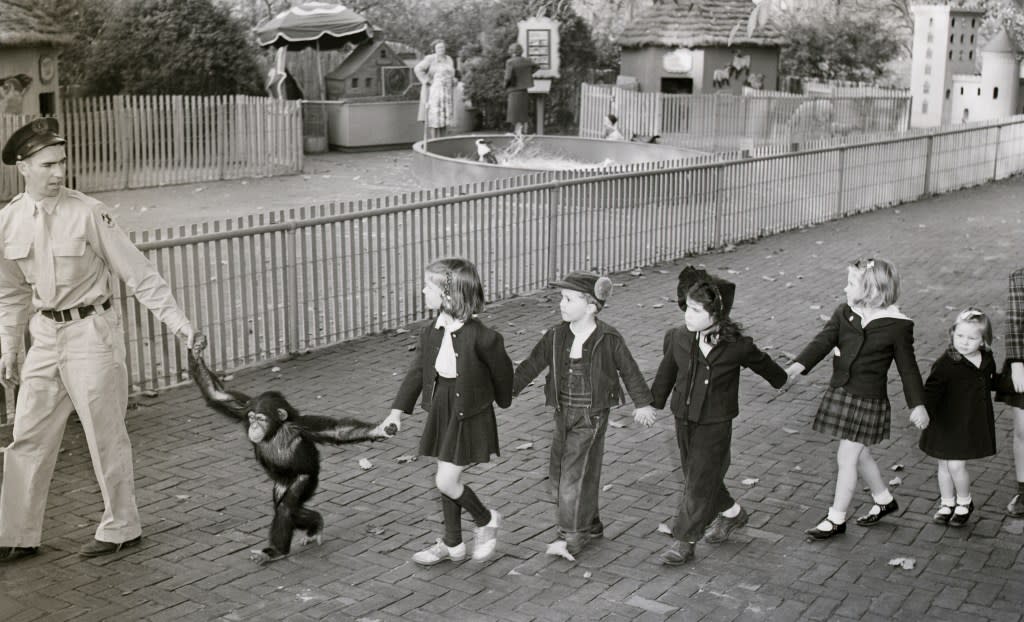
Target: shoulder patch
{"type": "Point", "coordinates": [108, 219]}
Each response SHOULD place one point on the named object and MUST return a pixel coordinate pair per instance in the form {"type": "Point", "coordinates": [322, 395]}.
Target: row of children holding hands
{"type": "Point", "coordinates": [461, 370]}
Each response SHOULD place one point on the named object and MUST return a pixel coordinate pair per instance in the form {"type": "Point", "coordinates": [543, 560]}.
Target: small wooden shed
{"type": "Point", "coordinates": [376, 67]}
{"type": "Point", "coordinates": [30, 41]}
{"type": "Point", "coordinates": [684, 47]}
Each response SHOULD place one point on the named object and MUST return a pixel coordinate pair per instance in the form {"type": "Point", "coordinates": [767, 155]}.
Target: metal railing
{"type": "Point", "coordinates": [271, 285]}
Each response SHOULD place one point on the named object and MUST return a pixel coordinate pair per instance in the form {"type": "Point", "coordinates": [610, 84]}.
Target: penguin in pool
{"type": "Point", "coordinates": [484, 152]}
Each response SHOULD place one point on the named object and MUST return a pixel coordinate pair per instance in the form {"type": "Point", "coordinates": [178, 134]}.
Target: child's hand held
{"type": "Point", "coordinates": [919, 417]}
{"type": "Point", "coordinates": [794, 370]}
{"type": "Point", "coordinates": [644, 416]}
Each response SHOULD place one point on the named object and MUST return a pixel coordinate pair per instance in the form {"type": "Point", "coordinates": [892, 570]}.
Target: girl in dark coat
{"type": "Point", "coordinates": [461, 369]}
{"type": "Point", "coordinates": [864, 335]}
{"type": "Point", "coordinates": [959, 401]}
{"type": "Point", "coordinates": [701, 370]}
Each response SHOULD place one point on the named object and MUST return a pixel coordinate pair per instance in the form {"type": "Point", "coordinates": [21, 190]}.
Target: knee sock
{"type": "Point", "coordinates": [471, 503]}
{"type": "Point", "coordinates": [452, 521]}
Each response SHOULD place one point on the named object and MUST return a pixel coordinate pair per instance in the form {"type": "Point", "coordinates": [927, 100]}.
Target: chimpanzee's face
{"type": "Point", "coordinates": [259, 424]}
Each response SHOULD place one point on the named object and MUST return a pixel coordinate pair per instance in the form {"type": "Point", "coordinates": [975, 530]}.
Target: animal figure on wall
{"type": "Point", "coordinates": [12, 91]}
{"type": "Point", "coordinates": [285, 444]}
{"type": "Point", "coordinates": [484, 151]}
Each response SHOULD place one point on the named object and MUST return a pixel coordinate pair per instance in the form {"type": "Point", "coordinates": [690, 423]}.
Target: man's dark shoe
{"type": "Point", "coordinates": [678, 554]}
{"type": "Point", "coordinates": [722, 526]}
{"type": "Point", "coordinates": [11, 554]}
{"type": "Point", "coordinates": [98, 548]}
{"type": "Point", "coordinates": [873, 517]}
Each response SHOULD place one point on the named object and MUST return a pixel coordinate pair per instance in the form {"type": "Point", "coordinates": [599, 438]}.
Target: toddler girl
{"type": "Point", "coordinates": [957, 395]}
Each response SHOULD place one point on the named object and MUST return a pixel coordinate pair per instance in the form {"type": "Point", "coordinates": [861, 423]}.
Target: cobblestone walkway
{"type": "Point", "coordinates": [205, 503]}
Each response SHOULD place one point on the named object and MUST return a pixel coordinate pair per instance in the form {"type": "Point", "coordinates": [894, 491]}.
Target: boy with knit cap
{"type": "Point", "coordinates": [587, 358]}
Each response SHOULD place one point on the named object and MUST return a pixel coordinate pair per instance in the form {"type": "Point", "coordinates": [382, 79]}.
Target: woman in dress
{"type": "Point", "coordinates": [436, 72]}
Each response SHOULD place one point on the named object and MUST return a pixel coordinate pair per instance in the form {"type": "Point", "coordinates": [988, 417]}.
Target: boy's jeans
{"type": "Point", "coordinates": [577, 452]}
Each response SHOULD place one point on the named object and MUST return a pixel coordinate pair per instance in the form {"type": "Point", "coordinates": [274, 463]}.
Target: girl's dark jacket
{"type": "Point", "coordinates": [863, 355]}
{"type": "Point", "coordinates": [714, 396]}
{"type": "Point", "coordinates": [610, 360]}
{"type": "Point", "coordinates": [483, 370]}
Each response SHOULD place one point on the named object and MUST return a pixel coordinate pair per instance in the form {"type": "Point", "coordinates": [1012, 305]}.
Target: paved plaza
{"type": "Point", "coordinates": [205, 502]}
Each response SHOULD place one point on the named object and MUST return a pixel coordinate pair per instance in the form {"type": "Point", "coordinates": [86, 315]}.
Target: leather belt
{"type": "Point", "coordinates": [75, 313]}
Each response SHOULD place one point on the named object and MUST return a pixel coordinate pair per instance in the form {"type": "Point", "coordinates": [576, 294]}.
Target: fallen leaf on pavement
{"type": "Point", "coordinates": [525, 446]}
{"type": "Point", "coordinates": [789, 430]}
{"type": "Point", "coordinates": [606, 488]}
{"type": "Point", "coordinates": [615, 423]}
{"type": "Point", "coordinates": [405, 458]}
{"type": "Point", "coordinates": [664, 528]}
{"type": "Point", "coordinates": [896, 467]}
{"type": "Point", "coordinates": [895, 481]}
{"type": "Point", "coordinates": [750, 481]}
{"type": "Point", "coordinates": [365, 464]}
{"type": "Point", "coordinates": [559, 548]}
{"type": "Point", "coordinates": [906, 563]}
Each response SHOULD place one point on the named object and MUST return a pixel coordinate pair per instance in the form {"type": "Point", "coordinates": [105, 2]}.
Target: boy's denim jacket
{"type": "Point", "coordinates": [610, 360]}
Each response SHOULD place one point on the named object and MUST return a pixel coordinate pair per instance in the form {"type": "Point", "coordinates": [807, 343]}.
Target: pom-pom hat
{"type": "Point", "coordinates": [725, 291]}
{"type": "Point", "coordinates": [600, 287]}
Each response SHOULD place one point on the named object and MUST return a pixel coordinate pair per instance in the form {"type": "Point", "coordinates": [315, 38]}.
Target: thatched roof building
{"type": "Point", "coordinates": [24, 24]}
{"type": "Point", "coordinates": [684, 46]}
{"type": "Point", "coordinates": [696, 23]}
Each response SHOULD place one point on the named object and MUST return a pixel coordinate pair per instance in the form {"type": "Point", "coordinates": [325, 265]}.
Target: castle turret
{"type": "Point", "coordinates": [1000, 75]}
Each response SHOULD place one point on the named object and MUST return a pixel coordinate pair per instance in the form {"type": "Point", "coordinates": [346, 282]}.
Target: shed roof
{"type": "Point", "coordinates": [696, 23]}
{"type": "Point", "coordinates": [357, 58]}
{"type": "Point", "coordinates": [24, 24]}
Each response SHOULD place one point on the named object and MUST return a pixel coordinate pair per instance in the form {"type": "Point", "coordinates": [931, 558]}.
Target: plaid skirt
{"type": "Point", "coordinates": [860, 419]}
{"type": "Point", "coordinates": [459, 441]}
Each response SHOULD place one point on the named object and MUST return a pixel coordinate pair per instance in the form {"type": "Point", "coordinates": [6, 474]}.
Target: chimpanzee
{"type": "Point", "coordinates": [285, 444]}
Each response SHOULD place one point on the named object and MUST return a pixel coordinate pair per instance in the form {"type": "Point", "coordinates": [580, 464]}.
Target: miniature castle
{"type": "Point", "coordinates": [945, 85]}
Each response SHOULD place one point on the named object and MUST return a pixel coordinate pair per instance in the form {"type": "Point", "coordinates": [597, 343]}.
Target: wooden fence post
{"type": "Point", "coordinates": [554, 199]}
{"type": "Point", "coordinates": [928, 167]}
{"type": "Point", "coordinates": [292, 303]}
{"type": "Point", "coordinates": [716, 208]}
{"type": "Point", "coordinates": [841, 199]}
{"type": "Point", "coordinates": [995, 158]}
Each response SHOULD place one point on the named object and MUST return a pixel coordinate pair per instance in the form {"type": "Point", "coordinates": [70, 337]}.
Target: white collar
{"type": "Point", "coordinates": [869, 315]}
{"type": "Point", "coordinates": [447, 322]}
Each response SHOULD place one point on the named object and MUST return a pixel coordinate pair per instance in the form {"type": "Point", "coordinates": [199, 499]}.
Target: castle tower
{"type": "Point", "coordinates": [1000, 76]}
{"type": "Point", "coordinates": [944, 43]}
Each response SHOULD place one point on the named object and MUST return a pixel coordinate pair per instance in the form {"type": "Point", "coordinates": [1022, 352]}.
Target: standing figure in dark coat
{"type": "Point", "coordinates": [958, 397]}
{"type": "Point", "coordinates": [518, 78]}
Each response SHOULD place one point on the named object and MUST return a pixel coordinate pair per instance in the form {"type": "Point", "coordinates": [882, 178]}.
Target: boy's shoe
{"type": "Point", "coordinates": [1016, 506]}
{"type": "Point", "coordinates": [11, 554]}
{"type": "Point", "coordinates": [873, 517]}
{"type": "Point", "coordinates": [959, 520]}
{"type": "Point", "coordinates": [440, 552]}
{"type": "Point", "coordinates": [943, 514]}
{"type": "Point", "coordinates": [98, 548]}
{"type": "Point", "coordinates": [722, 526]}
{"type": "Point", "coordinates": [824, 534]}
{"type": "Point", "coordinates": [678, 554]}
{"type": "Point", "coordinates": [485, 539]}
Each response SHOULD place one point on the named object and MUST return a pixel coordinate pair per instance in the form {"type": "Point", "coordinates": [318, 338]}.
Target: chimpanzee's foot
{"type": "Point", "coordinates": [265, 556]}
{"type": "Point", "coordinates": [316, 536]}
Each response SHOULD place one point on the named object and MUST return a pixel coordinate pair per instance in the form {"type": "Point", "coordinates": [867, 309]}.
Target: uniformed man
{"type": "Point", "coordinates": [58, 251]}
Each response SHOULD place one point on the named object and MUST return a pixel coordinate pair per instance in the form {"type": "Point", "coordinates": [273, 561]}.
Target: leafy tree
{"type": "Point", "coordinates": [483, 61]}
{"type": "Point", "coordinates": [189, 47]}
{"type": "Point", "coordinates": [843, 45]}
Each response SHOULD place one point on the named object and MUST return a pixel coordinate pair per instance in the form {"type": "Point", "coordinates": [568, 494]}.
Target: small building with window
{"type": "Point", "coordinates": [956, 77]}
{"type": "Point", "coordinates": [30, 41]}
{"type": "Point", "coordinates": [375, 68]}
{"type": "Point", "coordinates": [699, 46]}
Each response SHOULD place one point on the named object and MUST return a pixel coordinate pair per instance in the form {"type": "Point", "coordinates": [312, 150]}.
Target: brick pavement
{"type": "Point", "coordinates": [205, 503]}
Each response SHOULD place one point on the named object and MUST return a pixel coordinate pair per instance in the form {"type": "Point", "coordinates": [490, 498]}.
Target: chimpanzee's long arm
{"type": "Point", "coordinates": [231, 403]}
{"type": "Point", "coordinates": [339, 430]}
